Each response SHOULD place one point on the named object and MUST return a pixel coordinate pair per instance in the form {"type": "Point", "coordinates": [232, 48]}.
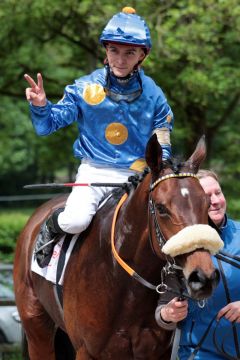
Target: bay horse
{"type": "Point", "coordinates": [108, 301]}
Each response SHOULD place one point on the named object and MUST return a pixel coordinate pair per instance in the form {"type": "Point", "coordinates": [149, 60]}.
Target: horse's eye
{"type": "Point", "coordinates": [162, 209]}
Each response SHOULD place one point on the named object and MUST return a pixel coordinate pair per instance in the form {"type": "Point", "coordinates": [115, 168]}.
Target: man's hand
{"type": "Point", "coordinates": [35, 93]}
{"type": "Point", "coordinates": [175, 310]}
{"type": "Point", "coordinates": [231, 312]}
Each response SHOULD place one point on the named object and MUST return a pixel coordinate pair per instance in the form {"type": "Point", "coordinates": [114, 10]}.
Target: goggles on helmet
{"type": "Point", "coordinates": [127, 28]}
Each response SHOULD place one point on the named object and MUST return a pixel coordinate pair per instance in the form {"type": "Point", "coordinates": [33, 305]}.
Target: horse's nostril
{"type": "Point", "coordinates": [197, 280]}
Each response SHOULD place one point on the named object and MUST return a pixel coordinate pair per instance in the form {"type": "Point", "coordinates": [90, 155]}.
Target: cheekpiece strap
{"type": "Point", "coordinates": [169, 176]}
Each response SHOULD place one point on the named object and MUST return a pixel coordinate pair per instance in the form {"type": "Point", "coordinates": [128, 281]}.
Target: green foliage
{"type": "Point", "coordinates": [14, 135]}
{"type": "Point", "coordinates": [195, 59]}
{"type": "Point", "coordinates": [233, 208]}
{"type": "Point", "coordinates": [11, 224]}
{"type": "Point", "coordinates": [199, 64]}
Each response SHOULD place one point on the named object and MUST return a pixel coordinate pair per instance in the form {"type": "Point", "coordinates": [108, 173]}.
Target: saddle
{"type": "Point", "coordinates": [50, 232]}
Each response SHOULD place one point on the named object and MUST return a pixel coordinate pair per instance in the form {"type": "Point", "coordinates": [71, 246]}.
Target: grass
{"type": "Point", "coordinates": [10, 352]}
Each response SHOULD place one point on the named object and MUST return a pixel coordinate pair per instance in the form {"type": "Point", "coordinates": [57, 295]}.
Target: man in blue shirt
{"type": "Point", "coordinates": [219, 318]}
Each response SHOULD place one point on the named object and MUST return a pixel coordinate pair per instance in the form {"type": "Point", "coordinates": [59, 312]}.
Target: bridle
{"type": "Point", "coordinates": [153, 214]}
{"type": "Point", "coordinates": [171, 267]}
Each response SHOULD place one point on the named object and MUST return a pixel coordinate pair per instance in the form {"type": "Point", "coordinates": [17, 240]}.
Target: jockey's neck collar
{"type": "Point", "coordinates": [123, 94]}
{"type": "Point", "coordinates": [124, 79]}
{"type": "Point", "coordinates": [121, 80]}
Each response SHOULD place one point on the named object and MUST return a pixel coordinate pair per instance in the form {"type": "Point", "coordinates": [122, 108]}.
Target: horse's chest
{"type": "Point", "coordinates": [137, 343]}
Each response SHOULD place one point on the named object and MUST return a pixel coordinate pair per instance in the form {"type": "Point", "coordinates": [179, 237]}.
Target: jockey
{"type": "Point", "coordinates": [117, 109]}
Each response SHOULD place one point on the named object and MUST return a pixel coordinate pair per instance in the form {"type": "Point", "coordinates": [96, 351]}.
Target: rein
{"type": "Point", "coordinates": [169, 268]}
{"type": "Point", "coordinates": [121, 262]}
{"type": "Point", "coordinates": [161, 288]}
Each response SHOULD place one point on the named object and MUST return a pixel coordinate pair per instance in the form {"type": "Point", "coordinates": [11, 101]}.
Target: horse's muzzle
{"type": "Point", "coordinates": [200, 286]}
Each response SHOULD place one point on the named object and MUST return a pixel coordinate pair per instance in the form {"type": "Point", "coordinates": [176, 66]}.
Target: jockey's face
{"type": "Point", "coordinates": [217, 207]}
{"type": "Point", "coordinates": [123, 58]}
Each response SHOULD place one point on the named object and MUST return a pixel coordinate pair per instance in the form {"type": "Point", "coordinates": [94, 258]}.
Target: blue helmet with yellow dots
{"type": "Point", "coordinates": [127, 28]}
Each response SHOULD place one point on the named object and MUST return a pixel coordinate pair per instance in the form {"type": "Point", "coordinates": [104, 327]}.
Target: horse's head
{"type": "Point", "coordinates": [179, 219]}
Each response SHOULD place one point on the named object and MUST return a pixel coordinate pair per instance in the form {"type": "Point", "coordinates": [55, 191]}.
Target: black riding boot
{"type": "Point", "coordinates": [49, 234]}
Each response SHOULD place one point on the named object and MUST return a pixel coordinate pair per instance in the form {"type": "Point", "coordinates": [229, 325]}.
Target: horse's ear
{"type": "Point", "coordinates": [198, 156]}
{"type": "Point", "coordinates": [153, 154]}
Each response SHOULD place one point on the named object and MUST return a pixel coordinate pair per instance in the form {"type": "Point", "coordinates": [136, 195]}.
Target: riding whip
{"type": "Point", "coordinates": [58, 185]}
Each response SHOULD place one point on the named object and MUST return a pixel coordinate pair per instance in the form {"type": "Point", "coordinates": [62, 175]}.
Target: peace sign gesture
{"type": "Point", "coordinates": [35, 93]}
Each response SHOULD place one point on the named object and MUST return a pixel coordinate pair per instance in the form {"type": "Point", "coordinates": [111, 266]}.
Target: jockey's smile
{"type": "Point", "coordinates": [123, 58]}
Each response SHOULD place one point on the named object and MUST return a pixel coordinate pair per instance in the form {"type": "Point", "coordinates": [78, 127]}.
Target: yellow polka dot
{"type": "Point", "coordinates": [138, 165]}
{"type": "Point", "coordinates": [94, 94]}
{"type": "Point", "coordinates": [116, 133]}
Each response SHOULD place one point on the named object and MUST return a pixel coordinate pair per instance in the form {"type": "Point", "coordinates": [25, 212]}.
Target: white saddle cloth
{"type": "Point", "coordinates": [50, 272]}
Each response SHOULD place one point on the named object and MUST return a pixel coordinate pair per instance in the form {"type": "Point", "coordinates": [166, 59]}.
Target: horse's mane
{"type": "Point", "coordinates": [174, 164]}
{"type": "Point", "coordinates": [129, 186]}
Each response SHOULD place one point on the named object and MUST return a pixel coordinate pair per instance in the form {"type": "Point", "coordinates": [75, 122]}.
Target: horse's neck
{"type": "Point", "coordinates": [132, 227]}
{"type": "Point", "coordinates": [135, 213]}
{"type": "Point", "coordinates": [132, 238]}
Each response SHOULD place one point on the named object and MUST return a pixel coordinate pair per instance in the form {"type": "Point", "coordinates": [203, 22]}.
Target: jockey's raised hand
{"type": "Point", "coordinates": [35, 93]}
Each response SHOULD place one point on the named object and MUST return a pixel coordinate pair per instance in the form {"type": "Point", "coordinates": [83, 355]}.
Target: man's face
{"type": "Point", "coordinates": [217, 207]}
{"type": "Point", "coordinates": [123, 58]}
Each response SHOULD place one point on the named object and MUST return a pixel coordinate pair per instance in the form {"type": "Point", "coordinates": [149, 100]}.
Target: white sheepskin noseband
{"type": "Point", "coordinates": [191, 238]}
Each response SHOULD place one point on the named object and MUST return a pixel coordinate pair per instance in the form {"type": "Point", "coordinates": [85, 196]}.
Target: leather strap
{"type": "Point", "coordinates": [176, 341]}
{"type": "Point", "coordinates": [61, 262]}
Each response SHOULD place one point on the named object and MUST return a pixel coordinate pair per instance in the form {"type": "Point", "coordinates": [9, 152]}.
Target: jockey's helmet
{"type": "Point", "coordinates": [127, 28]}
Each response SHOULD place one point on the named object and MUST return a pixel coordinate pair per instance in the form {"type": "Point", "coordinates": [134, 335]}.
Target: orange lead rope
{"type": "Point", "coordinates": [121, 262]}
{"type": "Point", "coordinates": [117, 257]}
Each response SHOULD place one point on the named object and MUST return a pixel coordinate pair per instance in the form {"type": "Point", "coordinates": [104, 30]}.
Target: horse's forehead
{"type": "Point", "coordinates": [184, 188]}
{"type": "Point", "coordinates": [189, 190]}
{"type": "Point", "coordinates": [184, 191]}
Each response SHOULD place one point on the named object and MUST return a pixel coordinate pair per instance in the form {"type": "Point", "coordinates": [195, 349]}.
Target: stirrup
{"type": "Point", "coordinates": [44, 245]}
{"type": "Point", "coordinates": [49, 234]}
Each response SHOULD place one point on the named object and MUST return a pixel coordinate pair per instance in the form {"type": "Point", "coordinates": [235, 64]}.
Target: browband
{"type": "Point", "coordinates": [169, 176]}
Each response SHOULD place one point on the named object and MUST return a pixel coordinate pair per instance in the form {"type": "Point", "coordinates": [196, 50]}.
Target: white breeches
{"type": "Point", "coordinates": [83, 202]}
